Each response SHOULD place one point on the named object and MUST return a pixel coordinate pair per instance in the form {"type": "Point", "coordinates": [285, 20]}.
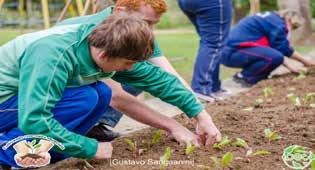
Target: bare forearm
{"type": "Point", "coordinates": [298, 57]}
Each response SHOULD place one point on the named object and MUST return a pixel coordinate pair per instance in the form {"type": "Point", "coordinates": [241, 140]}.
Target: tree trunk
{"type": "Point", "coordinates": [105, 3]}
{"type": "Point", "coordinates": [254, 6]}
{"type": "Point", "coordinates": [303, 34]}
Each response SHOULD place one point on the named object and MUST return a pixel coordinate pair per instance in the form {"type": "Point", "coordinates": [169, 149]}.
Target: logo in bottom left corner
{"type": "Point", "coordinates": [32, 151]}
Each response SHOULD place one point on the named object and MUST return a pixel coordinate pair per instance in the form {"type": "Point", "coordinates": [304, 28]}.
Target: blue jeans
{"type": "Point", "coordinates": [112, 116]}
{"type": "Point", "coordinates": [257, 62]}
{"type": "Point", "coordinates": [78, 111]}
{"type": "Point", "coordinates": [212, 19]}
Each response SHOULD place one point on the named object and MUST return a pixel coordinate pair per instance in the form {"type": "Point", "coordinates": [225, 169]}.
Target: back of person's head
{"type": "Point", "coordinates": [159, 6]}
{"type": "Point", "coordinates": [293, 16]}
{"type": "Point", "coordinates": [124, 36]}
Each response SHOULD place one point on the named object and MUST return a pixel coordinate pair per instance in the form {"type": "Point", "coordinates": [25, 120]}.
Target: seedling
{"type": "Point", "coordinates": [240, 143]}
{"type": "Point", "coordinates": [313, 165]}
{"type": "Point", "coordinates": [258, 102]}
{"type": "Point", "coordinates": [190, 148]}
{"type": "Point", "coordinates": [248, 109]}
{"type": "Point", "coordinates": [267, 92]}
{"type": "Point", "coordinates": [224, 142]}
{"type": "Point", "coordinates": [157, 137]}
{"type": "Point", "coordinates": [165, 158]}
{"type": "Point", "coordinates": [300, 76]}
{"type": "Point", "coordinates": [271, 135]}
{"type": "Point", "coordinates": [261, 152]}
{"type": "Point", "coordinates": [295, 100]}
{"type": "Point", "coordinates": [132, 146]}
{"type": "Point", "coordinates": [224, 162]}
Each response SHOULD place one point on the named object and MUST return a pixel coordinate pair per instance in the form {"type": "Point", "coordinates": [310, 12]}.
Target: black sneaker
{"type": "Point", "coordinates": [5, 167]}
{"type": "Point", "coordinates": [237, 78]}
{"type": "Point", "coordinates": [101, 133]}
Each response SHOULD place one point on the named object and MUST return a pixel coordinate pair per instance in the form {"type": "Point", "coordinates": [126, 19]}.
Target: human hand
{"type": "Point", "coordinates": [206, 130]}
{"type": "Point", "coordinates": [184, 136]}
{"type": "Point", "coordinates": [104, 150]}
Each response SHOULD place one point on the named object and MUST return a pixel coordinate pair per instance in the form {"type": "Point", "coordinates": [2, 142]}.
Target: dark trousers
{"type": "Point", "coordinates": [211, 19]}
{"type": "Point", "coordinates": [78, 111]}
{"type": "Point", "coordinates": [257, 62]}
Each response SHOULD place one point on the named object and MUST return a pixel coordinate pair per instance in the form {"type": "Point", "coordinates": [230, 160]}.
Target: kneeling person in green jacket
{"type": "Point", "coordinates": [49, 85]}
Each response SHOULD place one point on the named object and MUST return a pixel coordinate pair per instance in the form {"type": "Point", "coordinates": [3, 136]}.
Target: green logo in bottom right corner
{"type": "Point", "coordinates": [298, 157]}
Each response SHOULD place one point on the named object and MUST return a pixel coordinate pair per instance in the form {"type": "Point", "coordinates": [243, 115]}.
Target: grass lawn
{"type": "Point", "coordinates": [180, 48]}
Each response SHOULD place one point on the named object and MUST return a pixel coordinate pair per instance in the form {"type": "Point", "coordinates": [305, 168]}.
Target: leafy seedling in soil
{"type": "Point", "coordinates": [261, 152]}
{"type": "Point", "coordinates": [225, 141]}
{"type": "Point", "coordinates": [300, 76]}
{"type": "Point", "coordinates": [313, 165]}
{"type": "Point", "coordinates": [224, 162]}
{"type": "Point", "coordinates": [157, 136]}
{"type": "Point", "coordinates": [240, 143]}
{"type": "Point", "coordinates": [190, 148]}
{"type": "Point", "coordinates": [165, 158]}
{"type": "Point", "coordinates": [132, 146]}
{"type": "Point", "coordinates": [267, 92]}
{"type": "Point", "coordinates": [295, 100]}
{"type": "Point", "coordinates": [258, 102]}
{"type": "Point", "coordinates": [272, 135]}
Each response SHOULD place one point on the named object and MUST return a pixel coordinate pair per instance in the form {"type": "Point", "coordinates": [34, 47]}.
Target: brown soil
{"type": "Point", "coordinates": [296, 126]}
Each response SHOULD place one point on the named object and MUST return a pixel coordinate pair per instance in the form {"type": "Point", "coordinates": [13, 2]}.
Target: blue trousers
{"type": "Point", "coordinates": [112, 116]}
{"type": "Point", "coordinates": [78, 111]}
{"type": "Point", "coordinates": [257, 62]}
{"type": "Point", "coordinates": [211, 19]}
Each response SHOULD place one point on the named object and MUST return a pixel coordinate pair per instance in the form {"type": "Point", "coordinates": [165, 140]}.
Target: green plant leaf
{"type": "Point", "coordinates": [240, 143]}
{"type": "Point", "coordinates": [258, 102]}
{"type": "Point", "coordinates": [224, 142]}
{"type": "Point", "coordinates": [261, 152]}
{"type": "Point", "coordinates": [33, 142]}
{"type": "Point", "coordinates": [267, 92]}
{"type": "Point", "coordinates": [131, 144]}
{"type": "Point", "coordinates": [271, 135]}
{"type": "Point", "coordinates": [190, 148]}
{"type": "Point", "coordinates": [248, 109]}
{"type": "Point", "coordinates": [227, 159]}
{"type": "Point", "coordinates": [300, 76]}
{"type": "Point", "coordinates": [165, 158]}
{"type": "Point", "coordinates": [157, 137]}
{"type": "Point", "coordinates": [313, 165]}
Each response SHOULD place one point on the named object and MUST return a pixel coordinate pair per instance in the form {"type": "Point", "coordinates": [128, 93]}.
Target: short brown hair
{"type": "Point", "coordinates": [124, 36]}
{"type": "Point", "coordinates": [159, 6]}
{"type": "Point", "coordinates": [295, 17]}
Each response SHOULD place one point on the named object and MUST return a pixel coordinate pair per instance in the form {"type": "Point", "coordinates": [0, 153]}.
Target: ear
{"type": "Point", "coordinates": [120, 9]}
{"type": "Point", "coordinates": [102, 55]}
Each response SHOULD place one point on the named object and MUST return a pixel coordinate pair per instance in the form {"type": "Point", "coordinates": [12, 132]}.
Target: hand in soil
{"type": "Point", "coordinates": [104, 150]}
{"type": "Point", "coordinates": [184, 136]}
{"type": "Point", "coordinates": [207, 131]}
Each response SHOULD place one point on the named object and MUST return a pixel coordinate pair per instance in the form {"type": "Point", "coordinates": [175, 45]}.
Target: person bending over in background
{"type": "Point", "coordinates": [260, 43]}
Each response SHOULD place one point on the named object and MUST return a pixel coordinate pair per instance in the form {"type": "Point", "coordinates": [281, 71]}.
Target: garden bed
{"type": "Point", "coordinates": [236, 117]}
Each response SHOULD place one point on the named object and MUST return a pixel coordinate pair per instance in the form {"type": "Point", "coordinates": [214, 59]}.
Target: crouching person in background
{"type": "Point", "coordinates": [259, 44]}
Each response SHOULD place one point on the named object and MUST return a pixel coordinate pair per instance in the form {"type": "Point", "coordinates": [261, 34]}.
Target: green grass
{"type": "Point", "coordinates": [7, 35]}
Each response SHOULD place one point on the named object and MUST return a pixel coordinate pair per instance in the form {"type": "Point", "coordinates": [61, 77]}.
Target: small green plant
{"type": "Point", "coordinates": [224, 142]}
{"type": "Point", "coordinates": [157, 136]}
{"type": "Point", "coordinates": [267, 92]}
{"type": "Point", "coordinates": [295, 100]}
{"type": "Point", "coordinates": [33, 146]}
{"type": "Point", "coordinates": [272, 135]}
{"type": "Point", "coordinates": [225, 161]}
{"type": "Point", "coordinates": [190, 148]}
{"type": "Point", "coordinates": [313, 165]}
{"type": "Point", "coordinates": [165, 158]}
{"type": "Point", "coordinates": [300, 76]}
{"type": "Point", "coordinates": [261, 152]}
{"type": "Point", "coordinates": [240, 143]}
{"type": "Point", "coordinates": [132, 146]}
{"type": "Point", "coordinates": [248, 109]}
{"type": "Point", "coordinates": [258, 102]}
